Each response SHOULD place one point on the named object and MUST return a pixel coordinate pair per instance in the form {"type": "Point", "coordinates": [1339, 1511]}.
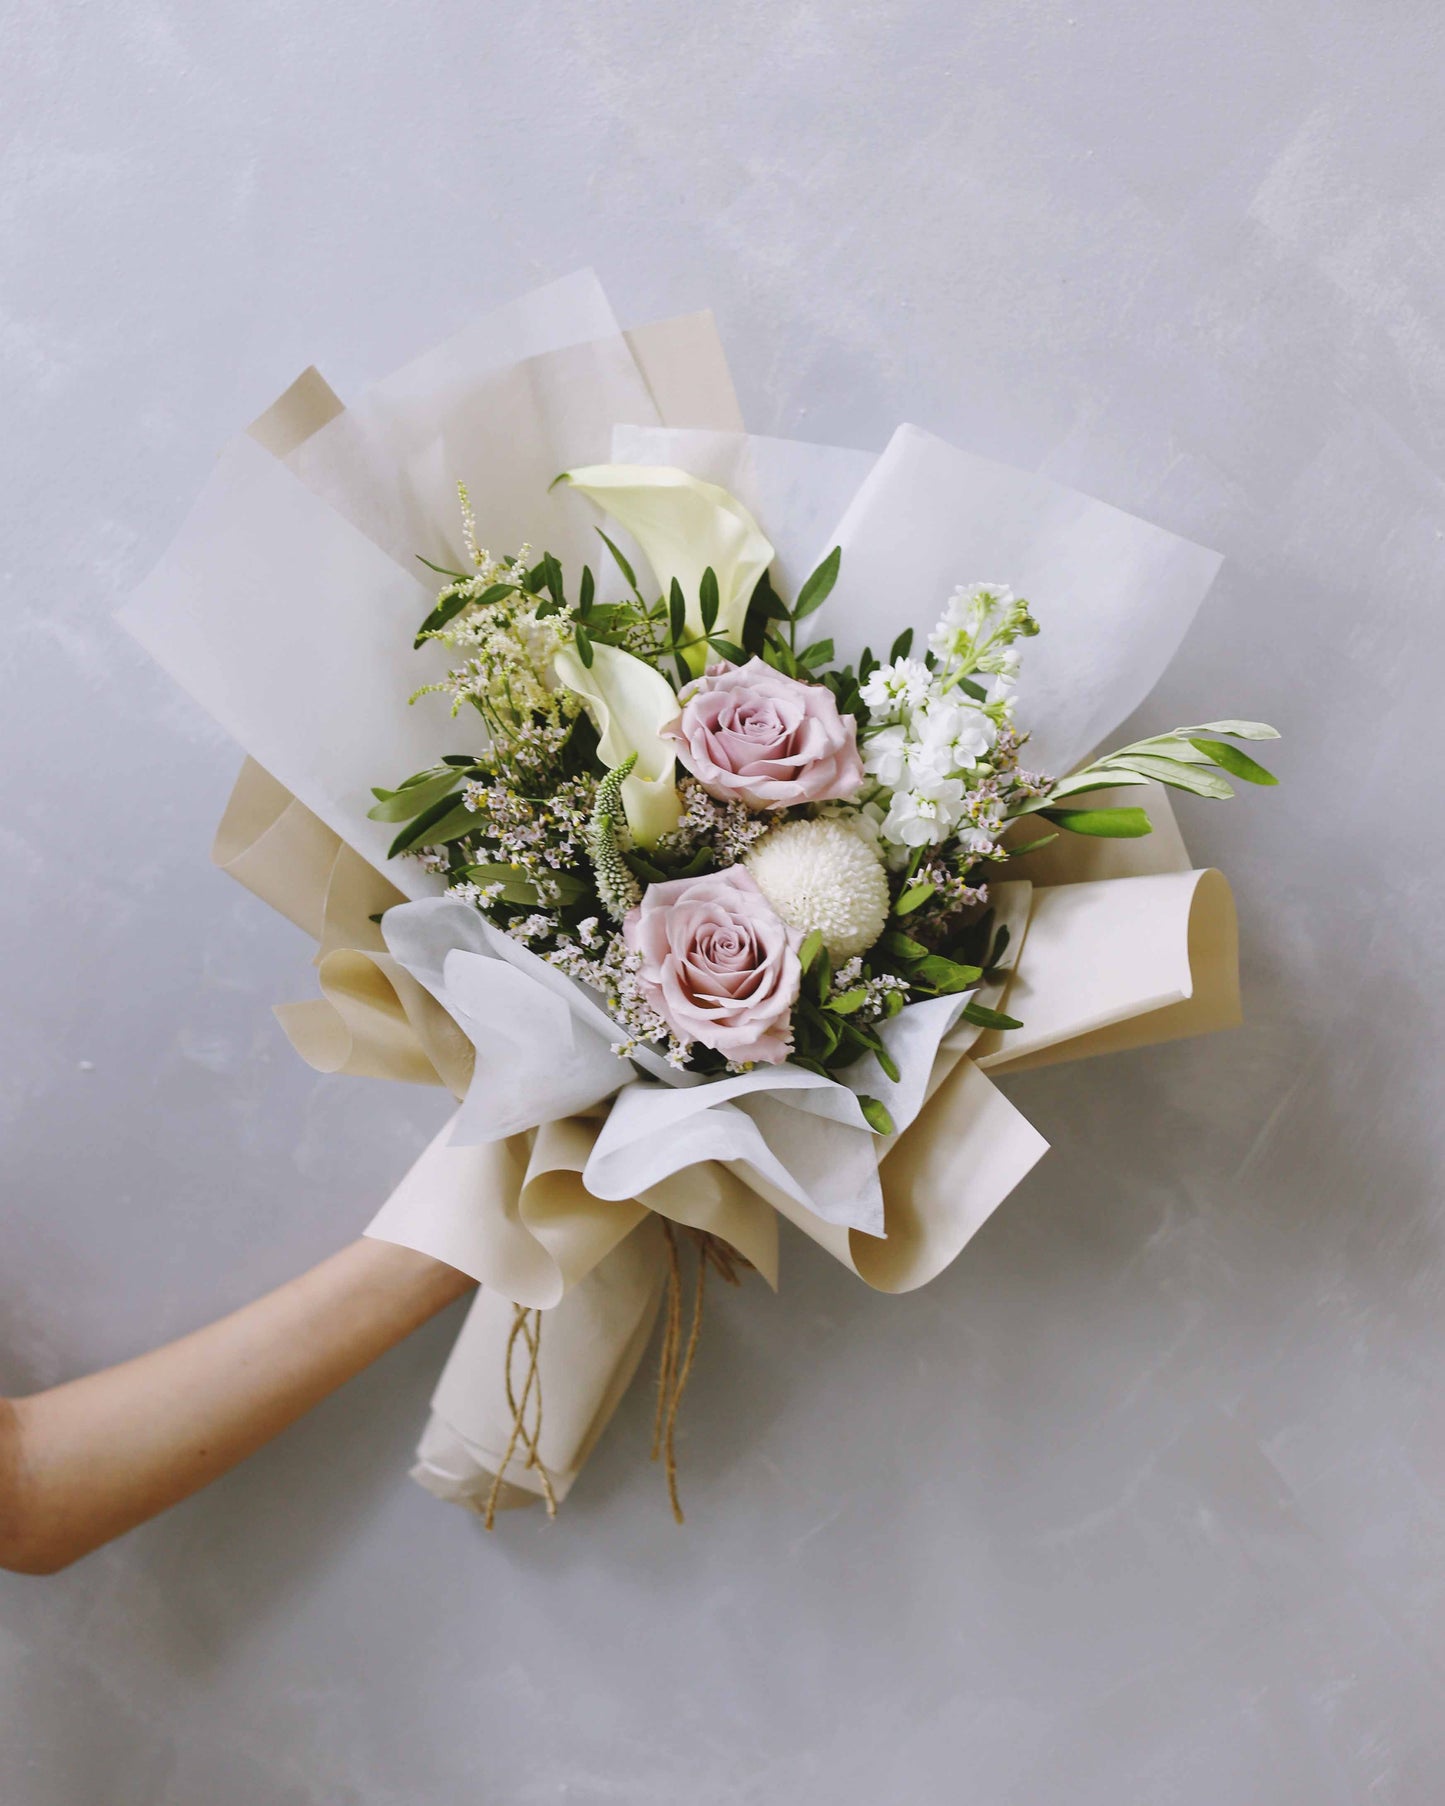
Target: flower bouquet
{"type": "Point", "coordinates": [705, 910]}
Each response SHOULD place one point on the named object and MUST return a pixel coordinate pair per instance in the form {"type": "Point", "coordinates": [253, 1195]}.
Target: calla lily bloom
{"type": "Point", "coordinates": [684, 526]}
{"type": "Point", "coordinates": [630, 703]}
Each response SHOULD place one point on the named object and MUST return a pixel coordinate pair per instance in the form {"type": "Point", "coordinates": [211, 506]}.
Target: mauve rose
{"type": "Point", "coordinates": [748, 731]}
{"type": "Point", "coordinates": [718, 965]}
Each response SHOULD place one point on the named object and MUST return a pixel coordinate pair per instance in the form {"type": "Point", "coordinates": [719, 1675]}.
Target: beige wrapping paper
{"type": "Point", "coordinates": [1119, 963]}
{"type": "Point", "coordinates": [1114, 944]}
{"type": "Point", "coordinates": [591, 1343]}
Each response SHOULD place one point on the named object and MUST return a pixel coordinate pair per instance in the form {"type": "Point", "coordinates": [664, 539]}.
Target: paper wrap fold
{"type": "Point", "coordinates": [287, 606]}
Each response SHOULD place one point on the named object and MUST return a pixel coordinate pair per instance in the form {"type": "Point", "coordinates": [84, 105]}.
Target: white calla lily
{"type": "Point", "coordinates": [684, 526]}
{"type": "Point", "coordinates": [629, 703]}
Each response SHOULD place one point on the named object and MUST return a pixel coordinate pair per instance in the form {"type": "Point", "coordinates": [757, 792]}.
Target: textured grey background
{"type": "Point", "coordinates": [1145, 1499]}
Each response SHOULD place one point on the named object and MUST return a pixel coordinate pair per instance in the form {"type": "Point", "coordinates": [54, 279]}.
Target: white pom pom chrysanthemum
{"type": "Point", "coordinates": [823, 875]}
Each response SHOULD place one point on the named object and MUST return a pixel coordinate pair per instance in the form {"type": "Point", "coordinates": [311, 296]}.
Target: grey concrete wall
{"type": "Point", "coordinates": [1144, 1501]}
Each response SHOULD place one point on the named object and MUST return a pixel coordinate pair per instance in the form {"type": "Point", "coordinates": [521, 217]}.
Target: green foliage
{"type": "Point", "coordinates": [982, 1017]}
{"type": "Point", "coordinates": [1189, 759]}
{"type": "Point", "coordinates": [1103, 824]}
{"type": "Point", "coordinates": [816, 591]}
{"type": "Point", "coordinates": [911, 898]}
{"type": "Point", "coordinates": [876, 1115]}
{"type": "Point", "coordinates": [416, 794]}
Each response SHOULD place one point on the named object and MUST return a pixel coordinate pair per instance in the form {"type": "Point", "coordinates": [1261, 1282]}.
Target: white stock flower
{"type": "Point", "coordinates": [953, 734]}
{"type": "Point", "coordinates": [979, 609]}
{"type": "Point", "coordinates": [885, 755]}
{"type": "Point", "coordinates": [916, 820]}
{"type": "Point", "coordinates": [893, 689]}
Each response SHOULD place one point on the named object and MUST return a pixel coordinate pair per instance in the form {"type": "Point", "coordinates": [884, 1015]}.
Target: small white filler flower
{"type": "Point", "coordinates": [823, 875]}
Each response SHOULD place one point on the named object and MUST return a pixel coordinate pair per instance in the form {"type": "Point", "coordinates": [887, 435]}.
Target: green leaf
{"type": "Point", "coordinates": [819, 653]}
{"type": "Point", "coordinates": [902, 946]}
{"type": "Point", "coordinates": [552, 577]}
{"type": "Point", "coordinates": [812, 946]}
{"type": "Point", "coordinates": [945, 975]}
{"type": "Point", "coordinates": [585, 595]}
{"type": "Point", "coordinates": [1238, 730]}
{"type": "Point", "coordinates": [440, 569]}
{"type": "Point", "coordinates": [1103, 824]}
{"type": "Point", "coordinates": [1194, 778]}
{"type": "Point", "coordinates": [876, 1115]}
{"type": "Point", "coordinates": [847, 1001]}
{"type": "Point", "coordinates": [676, 611]}
{"type": "Point", "coordinates": [584, 645]}
{"type": "Point", "coordinates": [644, 868]}
{"type": "Point", "coordinates": [411, 799]}
{"type": "Point", "coordinates": [621, 564]}
{"type": "Point", "coordinates": [729, 650]}
{"type": "Point", "coordinates": [434, 827]}
{"type": "Point", "coordinates": [912, 897]}
{"type": "Point", "coordinates": [1165, 746]}
{"type": "Point", "coordinates": [816, 591]}
{"type": "Point", "coordinates": [901, 647]}
{"type": "Point", "coordinates": [1032, 846]}
{"type": "Point", "coordinates": [1093, 779]}
{"type": "Point", "coordinates": [516, 886]}
{"type": "Point", "coordinates": [707, 598]}
{"type": "Point", "coordinates": [814, 1025]}
{"type": "Point", "coordinates": [982, 1017]}
{"type": "Point", "coordinates": [519, 888]}
{"type": "Point", "coordinates": [767, 601]}
{"type": "Point", "coordinates": [776, 654]}
{"type": "Point", "coordinates": [1238, 764]}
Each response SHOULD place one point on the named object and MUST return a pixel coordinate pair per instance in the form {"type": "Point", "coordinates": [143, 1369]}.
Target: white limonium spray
{"type": "Point", "coordinates": [934, 727]}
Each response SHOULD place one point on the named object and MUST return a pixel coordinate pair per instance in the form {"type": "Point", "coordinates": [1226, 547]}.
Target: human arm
{"type": "Point", "coordinates": [87, 1460]}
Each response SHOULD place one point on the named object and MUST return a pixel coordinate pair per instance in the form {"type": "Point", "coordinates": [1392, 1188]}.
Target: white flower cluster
{"type": "Point", "coordinates": [507, 652]}
{"type": "Point", "coordinates": [934, 727]}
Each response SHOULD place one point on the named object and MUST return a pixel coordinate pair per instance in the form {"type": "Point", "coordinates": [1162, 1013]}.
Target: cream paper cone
{"type": "Point", "coordinates": [591, 1343]}
{"type": "Point", "coordinates": [1121, 963]}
